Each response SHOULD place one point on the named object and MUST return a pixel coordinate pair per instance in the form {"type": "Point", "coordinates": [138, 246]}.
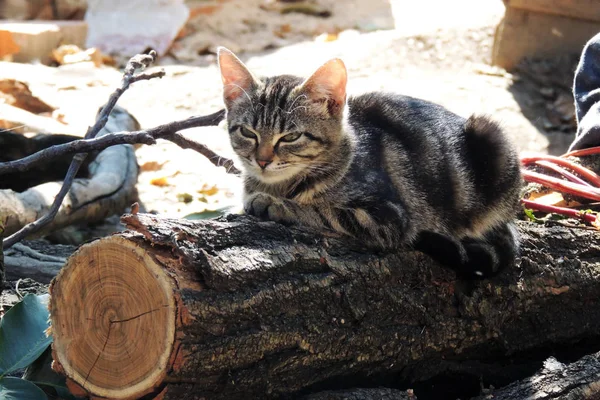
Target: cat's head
{"type": "Point", "coordinates": [284, 127]}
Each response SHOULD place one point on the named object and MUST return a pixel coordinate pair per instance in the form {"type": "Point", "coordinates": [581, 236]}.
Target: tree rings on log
{"type": "Point", "coordinates": [237, 308]}
{"type": "Point", "coordinates": [113, 320]}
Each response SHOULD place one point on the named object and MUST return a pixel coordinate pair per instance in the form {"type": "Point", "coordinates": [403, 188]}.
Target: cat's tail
{"type": "Point", "coordinates": [473, 258]}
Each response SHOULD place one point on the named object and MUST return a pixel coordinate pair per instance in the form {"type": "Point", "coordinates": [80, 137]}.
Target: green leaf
{"type": "Point", "coordinates": [23, 333]}
{"type": "Point", "coordinates": [208, 214]}
{"type": "Point", "coordinates": [20, 389]}
{"type": "Point", "coordinates": [530, 214]}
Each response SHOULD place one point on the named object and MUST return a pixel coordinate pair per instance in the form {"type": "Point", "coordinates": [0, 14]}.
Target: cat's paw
{"type": "Point", "coordinates": [265, 206]}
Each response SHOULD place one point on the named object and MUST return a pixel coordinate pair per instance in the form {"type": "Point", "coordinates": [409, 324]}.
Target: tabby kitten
{"type": "Point", "coordinates": [386, 169]}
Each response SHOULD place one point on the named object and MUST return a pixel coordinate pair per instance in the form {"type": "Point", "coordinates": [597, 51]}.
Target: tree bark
{"type": "Point", "coordinates": [236, 308]}
{"type": "Point", "coordinates": [108, 190]}
{"type": "Point", "coordinates": [556, 381]}
{"type": "Point", "coordinates": [362, 394]}
{"type": "Point", "coordinates": [36, 259]}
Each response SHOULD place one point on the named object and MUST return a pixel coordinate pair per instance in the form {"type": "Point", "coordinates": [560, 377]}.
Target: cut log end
{"type": "Point", "coordinates": [263, 311]}
{"type": "Point", "coordinates": [113, 319]}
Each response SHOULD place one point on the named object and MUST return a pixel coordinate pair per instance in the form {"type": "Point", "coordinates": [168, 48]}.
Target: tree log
{"type": "Point", "coordinates": [36, 259]}
{"type": "Point", "coordinates": [362, 394]}
{"type": "Point", "coordinates": [108, 190]}
{"type": "Point", "coordinates": [236, 308]}
{"type": "Point", "coordinates": [556, 381]}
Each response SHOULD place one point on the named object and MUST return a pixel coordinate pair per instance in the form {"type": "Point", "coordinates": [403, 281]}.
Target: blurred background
{"type": "Point", "coordinates": [512, 59]}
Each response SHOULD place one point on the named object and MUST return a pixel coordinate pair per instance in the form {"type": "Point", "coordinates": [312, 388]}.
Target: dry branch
{"type": "Point", "coordinates": [81, 148]}
{"type": "Point", "coordinates": [136, 62]}
{"type": "Point", "coordinates": [16, 146]}
{"type": "Point", "coordinates": [109, 189]}
{"type": "Point", "coordinates": [213, 157]}
{"type": "Point", "coordinates": [147, 136]}
{"type": "Point", "coordinates": [235, 308]}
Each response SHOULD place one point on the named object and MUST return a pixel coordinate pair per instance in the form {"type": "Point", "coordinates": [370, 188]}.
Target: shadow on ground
{"type": "Point", "coordinates": [543, 90]}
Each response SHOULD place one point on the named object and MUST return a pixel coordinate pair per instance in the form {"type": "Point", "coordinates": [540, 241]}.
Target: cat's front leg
{"type": "Point", "coordinates": [268, 207]}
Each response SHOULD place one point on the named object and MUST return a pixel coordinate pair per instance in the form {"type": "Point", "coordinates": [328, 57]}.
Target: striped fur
{"type": "Point", "coordinates": [386, 169]}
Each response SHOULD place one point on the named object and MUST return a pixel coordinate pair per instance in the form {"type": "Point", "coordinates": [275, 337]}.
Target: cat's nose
{"type": "Point", "coordinates": [263, 163]}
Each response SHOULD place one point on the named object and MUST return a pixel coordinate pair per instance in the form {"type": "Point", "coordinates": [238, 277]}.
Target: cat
{"type": "Point", "coordinates": [389, 170]}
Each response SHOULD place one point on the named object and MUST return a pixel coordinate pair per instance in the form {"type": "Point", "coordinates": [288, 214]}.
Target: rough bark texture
{"type": "Point", "coordinates": [556, 381]}
{"type": "Point", "coordinates": [362, 394]}
{"type": "Point", "coordinates": [108, 190]}
{"type": "Point", "coordinates": [265, 311]}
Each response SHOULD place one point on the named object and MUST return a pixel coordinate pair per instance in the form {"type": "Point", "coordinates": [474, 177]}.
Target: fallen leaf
{"type": "Point", "coordinates": [162, 181]}
{"type": "Point", "coordinates": [151, 166]}
{"type": "Point", "coordinates": [185, 197]}
{"type": "Point", "coordinates": [17, 94]}
{"type": "Point", "coordinates": [59, 116]}
{"type": "Point", "coordinates": [208, 190]}
{"type": "Point", "coordinates": [552, 199]}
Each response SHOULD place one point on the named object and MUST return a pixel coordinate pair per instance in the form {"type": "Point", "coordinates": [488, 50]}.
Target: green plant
{"type": "Point", "coordinates": [23, 340]}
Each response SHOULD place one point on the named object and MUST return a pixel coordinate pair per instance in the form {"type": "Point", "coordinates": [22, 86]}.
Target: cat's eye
{"type": "Point", "coordinates": [247, 133]}
{"type": "Point", "coordinates": [291, 137]}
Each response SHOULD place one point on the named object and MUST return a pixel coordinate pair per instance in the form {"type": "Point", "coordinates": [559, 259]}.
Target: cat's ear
{"type": "Point", "coordinates": [237, 79]}
{"type": "Point", "coordinates": [326, 87]}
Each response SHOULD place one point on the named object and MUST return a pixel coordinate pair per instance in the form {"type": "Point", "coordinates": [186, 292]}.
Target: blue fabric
{"type": "Point", "coordinates": [586, 91]}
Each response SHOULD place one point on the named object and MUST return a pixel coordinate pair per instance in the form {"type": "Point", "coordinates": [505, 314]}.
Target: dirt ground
{"type": "Point", "coordinates": [437, 50]}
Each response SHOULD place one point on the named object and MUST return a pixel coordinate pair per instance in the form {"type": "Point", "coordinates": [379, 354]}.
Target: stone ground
{"type": "Point", "coordinates": [437, 51]}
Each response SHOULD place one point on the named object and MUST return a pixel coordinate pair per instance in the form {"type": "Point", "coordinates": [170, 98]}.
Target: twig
{"type": "Point", "coordinates": [582, 171]}
{"type": "Point", "coordinates": [139, 61]}
{"type": "Point", "coordinates": [583, 215]}
{"type": "Point", "coordinates": [562, 185]}
{"type": "Point", "coordinates": [583, 152]}
{"type": "Point", "coordinates": [213, 157]}
{"type": "Point", "coordinates": [563, 172]}
{"type": "Point", "coordinates": [148, 136]}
